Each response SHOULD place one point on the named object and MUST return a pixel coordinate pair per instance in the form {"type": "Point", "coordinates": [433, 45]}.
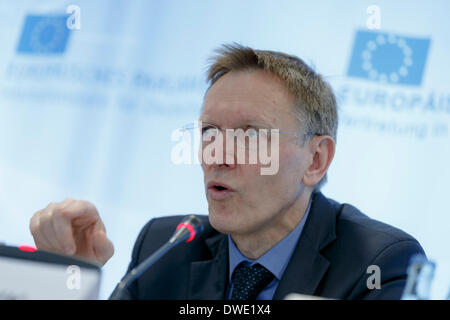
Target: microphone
{"type": "Point", "coordinates": [187, 230]}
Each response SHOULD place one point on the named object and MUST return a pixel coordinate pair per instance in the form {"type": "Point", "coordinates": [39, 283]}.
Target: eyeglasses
{"type": "Point", "coordinates": [210, 132]}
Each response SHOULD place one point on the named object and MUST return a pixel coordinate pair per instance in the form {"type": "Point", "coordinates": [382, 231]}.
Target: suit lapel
{"type": "Point", "coordinates": [307, 266]}
{"type": "Point", "coordinates": [208, 278]}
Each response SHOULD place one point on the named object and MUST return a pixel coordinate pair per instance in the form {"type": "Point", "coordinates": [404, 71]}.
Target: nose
{"type": "Point", "coordinates": [229, 157]}
{"type": "Point", "coordinates": [218, 154]}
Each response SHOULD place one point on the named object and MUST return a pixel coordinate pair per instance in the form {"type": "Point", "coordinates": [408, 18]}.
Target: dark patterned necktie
{"type": "Point", "coordinates": [248, 282]}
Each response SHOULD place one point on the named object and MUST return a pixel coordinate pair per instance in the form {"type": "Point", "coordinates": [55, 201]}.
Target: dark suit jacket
{"type": "Point", "coordinates": [336, 246]}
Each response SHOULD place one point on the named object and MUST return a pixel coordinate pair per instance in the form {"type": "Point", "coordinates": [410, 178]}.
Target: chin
{"type": "Point", "coordinates": [223, 222]}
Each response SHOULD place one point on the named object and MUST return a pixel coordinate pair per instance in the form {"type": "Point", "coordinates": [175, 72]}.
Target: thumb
{"type": "Point", "coordinates": [103, 247]}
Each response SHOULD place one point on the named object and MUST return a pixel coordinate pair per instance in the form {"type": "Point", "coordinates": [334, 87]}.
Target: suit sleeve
{"type": "Point", "coordinates": [393, 263]}
{"type": "Point", "coordinates": [131, 293]}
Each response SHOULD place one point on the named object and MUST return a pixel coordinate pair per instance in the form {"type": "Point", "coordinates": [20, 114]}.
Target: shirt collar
{"type": "Point", "coordinates": [276, 259]}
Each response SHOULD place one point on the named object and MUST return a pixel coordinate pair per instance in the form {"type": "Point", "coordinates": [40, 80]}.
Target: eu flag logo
{"type": "Point", "coordinates": [44, 35]}
{"type": "Point", "coordinates": [389, 58]}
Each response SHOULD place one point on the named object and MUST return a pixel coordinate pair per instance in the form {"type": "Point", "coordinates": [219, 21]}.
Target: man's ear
{"type": "Point", "coordinates": [322, 149]}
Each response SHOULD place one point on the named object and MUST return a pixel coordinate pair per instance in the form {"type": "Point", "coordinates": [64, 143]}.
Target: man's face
{"type": "Point", "coordinates": [253, 99]}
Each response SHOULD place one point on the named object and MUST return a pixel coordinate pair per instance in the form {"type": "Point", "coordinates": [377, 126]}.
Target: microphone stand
{"type": "Point", "coordinates": [183, 233]}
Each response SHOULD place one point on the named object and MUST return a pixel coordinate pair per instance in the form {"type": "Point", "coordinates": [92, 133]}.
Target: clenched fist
{"type": "Point", "coordinates": [72, 227]}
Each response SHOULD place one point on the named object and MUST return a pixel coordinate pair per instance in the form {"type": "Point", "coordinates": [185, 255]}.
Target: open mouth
{"type": "Point", "coordinates": [219, 191]}
{"type": "Point", "coordinates": [220, 188]}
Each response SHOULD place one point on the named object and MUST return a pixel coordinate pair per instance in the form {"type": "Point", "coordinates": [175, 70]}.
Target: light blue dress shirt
{"type": "Point", "coordinates": [275, 260]}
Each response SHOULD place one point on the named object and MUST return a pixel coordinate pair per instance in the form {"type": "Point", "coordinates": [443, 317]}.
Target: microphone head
{"type": "Point", "coordinates": [190, 227]}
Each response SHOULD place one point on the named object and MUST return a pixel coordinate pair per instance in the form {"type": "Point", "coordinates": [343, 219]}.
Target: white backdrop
{"type": "Point", "coordinates": [88, 113]}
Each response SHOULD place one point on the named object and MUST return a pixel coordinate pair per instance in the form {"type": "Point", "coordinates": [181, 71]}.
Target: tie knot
{"type": "Point", "coordinates": [248, 282]}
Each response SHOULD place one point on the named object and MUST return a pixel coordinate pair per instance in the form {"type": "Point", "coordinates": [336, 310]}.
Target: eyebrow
{"type": "Point", "coordinates": [247, 121]}
{"type": "Point", "coordinates": [251, 123]}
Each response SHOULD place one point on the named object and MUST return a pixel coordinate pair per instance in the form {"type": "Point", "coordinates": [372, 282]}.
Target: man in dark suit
{"type": "Point", "coordinates": [269, 231]}
{"type": "Point", "coordinates": [331, 258]}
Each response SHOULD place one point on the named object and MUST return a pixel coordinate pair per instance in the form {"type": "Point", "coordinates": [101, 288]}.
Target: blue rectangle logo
{"type": "Point", "coordinates": [44, 35]}
{"type": "Point", "coordinates": [389, 58]}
